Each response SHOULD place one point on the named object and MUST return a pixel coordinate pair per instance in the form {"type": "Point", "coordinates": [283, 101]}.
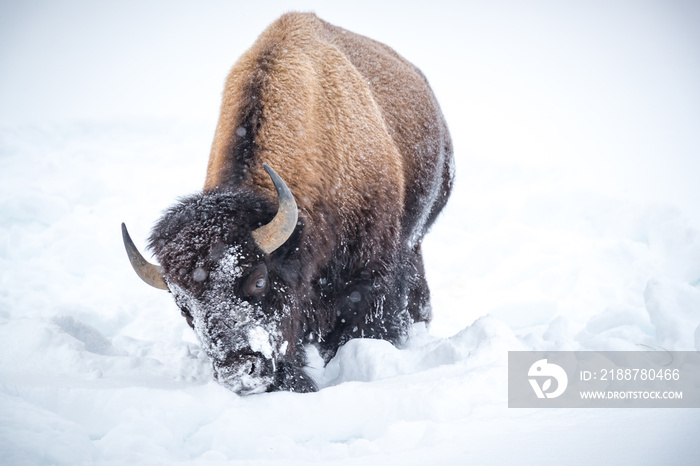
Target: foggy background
{"type": "Point", "coordinates": [600, 92]}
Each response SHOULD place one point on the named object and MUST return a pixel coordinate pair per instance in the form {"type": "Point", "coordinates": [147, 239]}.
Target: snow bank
{"type": "Point", "coordinates": [98, 368]}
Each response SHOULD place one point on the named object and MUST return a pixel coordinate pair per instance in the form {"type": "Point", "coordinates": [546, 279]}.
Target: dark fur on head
{"type": "Point", "coordinates": [190, 241]}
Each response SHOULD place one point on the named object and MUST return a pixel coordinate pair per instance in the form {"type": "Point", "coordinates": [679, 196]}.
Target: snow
{"type": "Point", "coordinates": [259, 340]}
{"type": "Point", "coordinates": [574, 225]}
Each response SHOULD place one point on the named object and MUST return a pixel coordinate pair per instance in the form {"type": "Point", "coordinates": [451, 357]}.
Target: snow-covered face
{"type": "Point", "coordinates": [238, 299]}
{"type": "Point", "coordinates": [242, 339]}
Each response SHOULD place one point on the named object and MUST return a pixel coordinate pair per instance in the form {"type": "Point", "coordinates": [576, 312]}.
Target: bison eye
{"type": "Point", "coordinates": [255, 285]}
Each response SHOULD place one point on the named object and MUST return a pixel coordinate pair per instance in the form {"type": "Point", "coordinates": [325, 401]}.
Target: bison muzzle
{"type": "Point", "coordinates": [327, 246]}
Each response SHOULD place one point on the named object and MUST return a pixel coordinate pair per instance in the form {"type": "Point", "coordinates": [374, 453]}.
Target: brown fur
{"type": "Point", "coordinates": [343, 114]}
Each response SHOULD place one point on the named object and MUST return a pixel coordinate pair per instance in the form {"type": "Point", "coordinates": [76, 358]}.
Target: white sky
{"type": "Point", "coordinates": [607, 88]}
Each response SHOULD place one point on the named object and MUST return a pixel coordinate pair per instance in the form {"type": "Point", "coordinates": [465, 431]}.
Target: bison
{"type": "Point", "coordinates": [327, 246]}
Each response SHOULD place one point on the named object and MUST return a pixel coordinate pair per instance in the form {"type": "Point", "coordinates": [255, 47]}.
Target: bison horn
{"type": "Point", "coordinates": [148, 272]}
{"type": "Point", "coordinates": [273, 235]}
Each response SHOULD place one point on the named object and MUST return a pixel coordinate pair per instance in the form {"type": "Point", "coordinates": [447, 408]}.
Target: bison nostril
{"type": "Point", "coordinates": [250, 364]}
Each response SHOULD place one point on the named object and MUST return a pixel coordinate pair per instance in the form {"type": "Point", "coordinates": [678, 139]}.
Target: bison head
{"type": "Point", "coordinates": [230, 278]}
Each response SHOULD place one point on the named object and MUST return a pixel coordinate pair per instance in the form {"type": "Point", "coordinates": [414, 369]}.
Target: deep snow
{"type": "Point", "coordinates": [574, 225]}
